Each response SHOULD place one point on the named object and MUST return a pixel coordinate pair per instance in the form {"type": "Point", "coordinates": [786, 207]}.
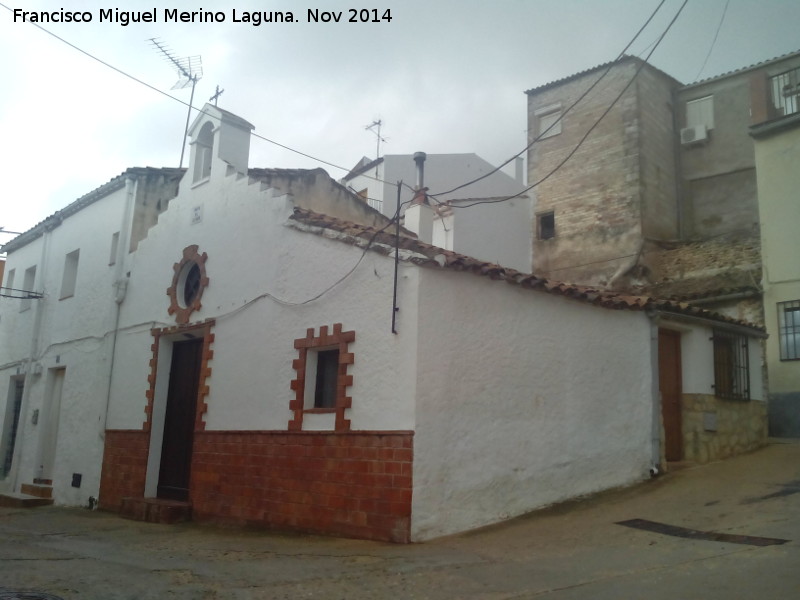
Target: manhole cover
{"type": "Point", "coordinates": [27, 596]}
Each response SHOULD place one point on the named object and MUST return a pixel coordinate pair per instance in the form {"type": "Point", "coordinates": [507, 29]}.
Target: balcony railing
{"type": "Point", "coordinates": [785, 91]}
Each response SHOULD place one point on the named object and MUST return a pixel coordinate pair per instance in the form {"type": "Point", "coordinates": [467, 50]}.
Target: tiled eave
{"type": "Point", "coordinates": [427, 255]}
{"type": "Point", "coordinates": [622, 60]}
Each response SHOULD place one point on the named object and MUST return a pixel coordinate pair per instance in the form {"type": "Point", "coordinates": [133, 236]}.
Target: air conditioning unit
{"type": "Point", "coordinates": [694, 135]}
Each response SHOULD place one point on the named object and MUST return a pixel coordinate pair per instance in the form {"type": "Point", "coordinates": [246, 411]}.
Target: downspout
{"type": "Point", "coordinates": [120, 284]}
{"type": "Point", "coordinates": [678, 170]}
{"type": "Point", "coordinates": [29, 363]}
{"type": "Point", "coordinates": [655, 398]}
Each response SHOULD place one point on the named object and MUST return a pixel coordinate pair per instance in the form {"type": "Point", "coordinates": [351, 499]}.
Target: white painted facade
{"type": "Point", "coordinates": [62, 346]}
{"type": "Point", "coordinates": [547, 399]}
{"type": "Point", "coordinates": [516, 398]}
{"type": "Point", "coordinates": [498, 232]}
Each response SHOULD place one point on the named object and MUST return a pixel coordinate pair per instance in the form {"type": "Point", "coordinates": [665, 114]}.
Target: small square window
{"type": "Point", "coordinates": [114, 247]}
{"type": "Point", "coordinates": [546, 226]}
{"type": "Point", "coordinates": [322, 381]}
{"type": "Point", "coordinates": [27, 286]}
{"type": "Point", "coordinates": [789, 329]}
{"type": "Point", "coordinates": [547, 121]}
{"type": "Point", "coordinates": [700, 112]}
{"type": "Point", "coordinates": [70, 274]}
{"type": "Point", "coordinates": [326, 379]}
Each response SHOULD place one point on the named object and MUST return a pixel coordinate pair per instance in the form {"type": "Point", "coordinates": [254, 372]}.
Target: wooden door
{"type": "Point", "coordinates": [670, 386]}
{"type": "Point", "coordinates": [176, 448]}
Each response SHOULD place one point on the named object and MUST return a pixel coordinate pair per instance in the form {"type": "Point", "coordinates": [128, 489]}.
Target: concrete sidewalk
{"type": "Point", "coordinates": [575, 550]}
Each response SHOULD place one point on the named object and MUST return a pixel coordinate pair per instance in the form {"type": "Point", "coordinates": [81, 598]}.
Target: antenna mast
{"type": "Point", "coordinates": [190, 70]}
{"type": "Point", "coordinates": [375, 127]}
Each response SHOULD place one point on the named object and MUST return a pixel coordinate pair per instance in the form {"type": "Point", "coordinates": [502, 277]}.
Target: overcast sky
{"type": "Point", "coordinates": [442, 75]}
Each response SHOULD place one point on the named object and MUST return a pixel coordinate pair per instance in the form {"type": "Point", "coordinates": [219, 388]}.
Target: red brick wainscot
{"type": "Point", "coordinates": [124, 466]}
{"type": "Point", "coordinates": [353, 484]}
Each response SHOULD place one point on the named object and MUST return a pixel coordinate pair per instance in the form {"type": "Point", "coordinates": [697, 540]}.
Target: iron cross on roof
{"type": "Point", "coordinates": [216, 95]}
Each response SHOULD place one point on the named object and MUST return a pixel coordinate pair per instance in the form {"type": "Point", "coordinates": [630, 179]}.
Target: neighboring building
{"type": "Point", "coordinates": [496, 225]}
{"type": "Point", "coordinates": [65, 276]}
{"type": "Point", "coordinates": [661, 197]}
{"type": "Point", "coordinates": [777, 147]}
{"type": "Point", "coordinates": [271, 354]}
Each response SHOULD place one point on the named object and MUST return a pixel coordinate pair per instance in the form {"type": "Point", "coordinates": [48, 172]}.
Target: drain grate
{"type": "Point", "coordinates": [694, 534]}
{"type": "Point", "coordinates": [7, 595]}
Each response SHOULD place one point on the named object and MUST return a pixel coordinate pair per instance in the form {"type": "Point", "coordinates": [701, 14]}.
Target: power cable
{"type": "Point", "coordinates": [589, 131]}
{"type": "Point", "coordinates": [366, 248]}
{"type": "Point", "coordinates": [714, 41]}
{"type": "Point", "coordinates": [201, 111]}
{"type": "Point", "coordinates": [563, 114]}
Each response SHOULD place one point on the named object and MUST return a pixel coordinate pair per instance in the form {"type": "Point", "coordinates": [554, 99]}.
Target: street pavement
{"type": "Point", "coordinates": [718, 513]}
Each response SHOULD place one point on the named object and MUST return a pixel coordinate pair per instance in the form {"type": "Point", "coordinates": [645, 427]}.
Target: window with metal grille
{"type": "Point", "coordinates": [789, 329]}
{"type": "Point", "coordinates": [731, 366]}
{"type": "Point", "coordinates": [785, 92]}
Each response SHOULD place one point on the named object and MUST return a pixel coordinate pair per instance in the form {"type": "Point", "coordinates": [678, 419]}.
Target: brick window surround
{"type": "Point", "coordinates": [199, 330]}
{"type": "Point", "coordinates": [191, 257]}
{"type": "Point", "coordinates": [337, 339]}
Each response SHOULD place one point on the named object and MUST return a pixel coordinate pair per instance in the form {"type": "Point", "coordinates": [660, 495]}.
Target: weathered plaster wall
{"type": "Point", "coordinates": [719, 179]}
{"type": "Point", "coordinates": [657, 155]}
{"type": "Point", "coordinates": [596, 195]}
{"type": "Point", "coordinates": [545, 400]}
{"type": "Point", "coordinates": [153, 194]}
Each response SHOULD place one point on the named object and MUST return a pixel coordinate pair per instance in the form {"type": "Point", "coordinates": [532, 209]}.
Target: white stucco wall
{"type": "Point", "coordinates": [545, 399]}
{"type": "Point", "coordinates": [254, 258]}
{"type": "Point", "coordinates": [697, 360]}
{"type": "Point", "coordinates": [499, 233]}
{"type": "Point", "coordinates": [75, 334]}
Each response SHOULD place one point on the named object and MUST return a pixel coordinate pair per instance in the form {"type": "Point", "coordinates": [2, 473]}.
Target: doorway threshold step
{"type": "Point", "coordinates": [156, 510]}
{"type": "Point", "coordinates": [40, 491]}
{"type": "Point", "coordinates": [17, 500]}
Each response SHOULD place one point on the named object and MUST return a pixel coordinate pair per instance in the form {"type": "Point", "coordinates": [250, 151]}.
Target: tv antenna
{"type": "Point", "coordinates": [190, 70]}
{"type": "Point", "coordinates": [375, 127]}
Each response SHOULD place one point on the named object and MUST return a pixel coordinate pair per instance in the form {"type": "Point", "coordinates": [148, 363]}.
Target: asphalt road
{"type": "Point", "coordinates": [729, 530]}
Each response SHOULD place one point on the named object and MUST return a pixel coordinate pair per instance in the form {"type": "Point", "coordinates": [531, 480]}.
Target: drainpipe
{"type": "Point", "coordinates": [120, 284]}
{"type": "Point", "coordinates": [39, 307]}
{"type": "Point", "coordinates": [678, 169]}
{"type": "Point", "coordinates": [655, 397]}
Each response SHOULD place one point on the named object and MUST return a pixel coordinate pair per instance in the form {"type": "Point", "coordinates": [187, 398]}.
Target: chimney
{"type": "Point", "coordinates": [518, 170]}
{"type": "Point", "coordinates": [419, 216]}
{"type": "Point", "coordinates": [419, 158]}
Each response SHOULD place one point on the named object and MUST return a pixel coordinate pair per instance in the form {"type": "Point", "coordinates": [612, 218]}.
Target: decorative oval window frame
{"type": "Point", "coordinates": [176, 292]}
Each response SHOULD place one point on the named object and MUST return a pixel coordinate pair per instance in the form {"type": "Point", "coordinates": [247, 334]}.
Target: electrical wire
{"type": "Point", "coordinates": [714, 41]}
{"type": "Point", "coordinates": [563, 114]}
{"type": "Point", "coordinates": [187, 104]}
{"type": "Point", "coordinates": [366, 248]}
{"type": "Point", "coordinates": [589, 131]}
